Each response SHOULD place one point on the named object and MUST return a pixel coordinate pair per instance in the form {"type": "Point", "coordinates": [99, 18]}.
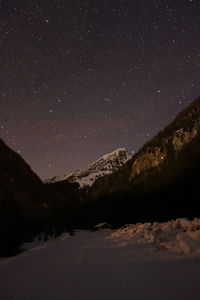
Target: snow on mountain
{"type": "Point", "coordinates": [107, 164]}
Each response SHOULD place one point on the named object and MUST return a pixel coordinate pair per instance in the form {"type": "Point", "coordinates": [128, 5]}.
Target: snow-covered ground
{"type": "Point", "coordinates": [137, 262]}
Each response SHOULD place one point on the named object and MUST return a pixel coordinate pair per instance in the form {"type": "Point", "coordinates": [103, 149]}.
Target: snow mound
{"type": "Point", "coordinates": [180, 236]}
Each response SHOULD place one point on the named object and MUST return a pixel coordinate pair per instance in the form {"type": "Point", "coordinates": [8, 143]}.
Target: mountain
{"type": "Point", "coordinates": [27, 206]}
{"type": "Point", "coordinates": [74, 188]}
{"type": "Point", "coordinates": [169, 144]}
{"type": "Point", "coordinates": [107, 164]}
{"type": "Point", "coordinates": [159, 182]}
{"type": "Point", "coordinates": [22, 198]}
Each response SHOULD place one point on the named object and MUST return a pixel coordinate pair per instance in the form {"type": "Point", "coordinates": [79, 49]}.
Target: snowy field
{"type": "Point", "coordinates": [137, 262]}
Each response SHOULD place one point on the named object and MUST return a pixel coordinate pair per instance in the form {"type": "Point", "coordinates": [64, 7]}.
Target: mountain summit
{"type": "Point", "coordinates": [107, 164]}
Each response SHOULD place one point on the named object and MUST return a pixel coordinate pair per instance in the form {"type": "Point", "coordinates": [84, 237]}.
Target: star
{"type": "Point", "coordinates": [81, 79]}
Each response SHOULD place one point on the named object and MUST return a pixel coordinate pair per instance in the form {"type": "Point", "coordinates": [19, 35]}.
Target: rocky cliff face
{"type": "Point", "coordinates": [161, 181]}
{"type": "Point", "coordinates": [170, 142]}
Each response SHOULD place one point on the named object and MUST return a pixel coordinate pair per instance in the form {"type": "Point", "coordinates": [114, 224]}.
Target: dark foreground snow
{"type": "Point", "coordinates": [139, 262]}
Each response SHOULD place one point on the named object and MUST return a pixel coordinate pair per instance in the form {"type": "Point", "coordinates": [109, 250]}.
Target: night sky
{"type": "Point", "coordinates": [79, 79]}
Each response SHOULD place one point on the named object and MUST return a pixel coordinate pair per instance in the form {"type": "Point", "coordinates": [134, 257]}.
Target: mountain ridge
{"type": "Point", "coordinates": [179, 125]}
{"type": "Point", "coordinates": [149, 187]}
{"type": "Point", "coordinates": [106, 164]}
{"type": "Point", "coordinates": [22, 198]}
{"type": "Point", "coordinates": [179, 132]}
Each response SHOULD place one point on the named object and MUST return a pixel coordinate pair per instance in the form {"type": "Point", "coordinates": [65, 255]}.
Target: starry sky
{"type": "Point", "coordinates": [79, 79]}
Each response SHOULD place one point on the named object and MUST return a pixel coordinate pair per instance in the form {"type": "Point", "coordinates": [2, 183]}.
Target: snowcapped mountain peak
{"type": "Point", "coordinates": [107, 164]}
{"type": "Point", "coordinates": [119, 153]}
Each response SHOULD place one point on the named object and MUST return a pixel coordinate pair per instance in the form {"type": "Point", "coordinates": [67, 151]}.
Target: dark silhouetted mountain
{"type": "Point", "coordinates": [27, 206]}
{"type": "Point", "coordinates": [22, 198]}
